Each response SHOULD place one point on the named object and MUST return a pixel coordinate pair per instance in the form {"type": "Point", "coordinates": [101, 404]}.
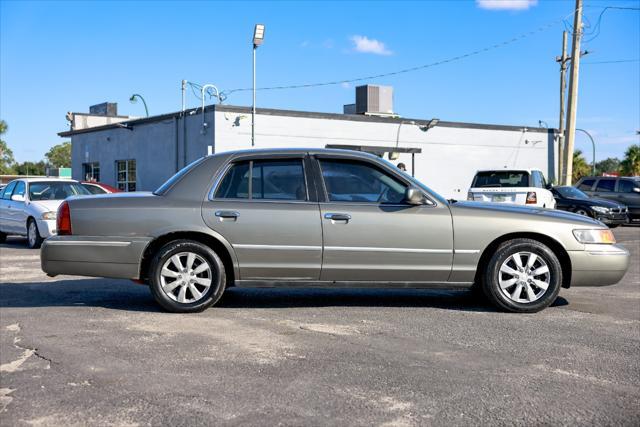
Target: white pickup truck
{"type": "Point", "coordinates": [517, 186]}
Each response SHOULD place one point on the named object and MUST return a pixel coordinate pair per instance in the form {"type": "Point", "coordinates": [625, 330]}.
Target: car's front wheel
{"type": "Point", "coordinates": [186, 276]}
{"type": "Point", "coordinates": [523, 276]}
{"type": "Point", "coordinates": [33, 235]}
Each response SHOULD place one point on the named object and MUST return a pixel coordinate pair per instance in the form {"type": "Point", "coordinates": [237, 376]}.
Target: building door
{"type": "Point", "coordinates": [371, 234]}
{"type": "Point", "coordinates": [262, 207]}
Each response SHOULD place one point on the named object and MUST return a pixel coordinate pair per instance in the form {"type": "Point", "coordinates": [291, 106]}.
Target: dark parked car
{"type": "Point", "coordinates": [624, 190]}
{"type": "Point", "coordinates": [573, 200]}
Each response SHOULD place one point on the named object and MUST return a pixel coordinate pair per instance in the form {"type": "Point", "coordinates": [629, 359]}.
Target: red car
{"type": "Point", "coordinates": [99, 188]}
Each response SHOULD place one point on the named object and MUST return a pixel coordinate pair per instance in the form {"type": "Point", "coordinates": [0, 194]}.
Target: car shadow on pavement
{"type": "Point", "coordinates": [125, 295]}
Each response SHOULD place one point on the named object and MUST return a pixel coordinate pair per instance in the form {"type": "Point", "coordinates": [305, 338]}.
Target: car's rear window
{"type": "Point", "coordinates": [586, 184]}
{"type": "Point", "coordinates": [177, 176]}
{"type": "Point", "coordinates": [501, 179]}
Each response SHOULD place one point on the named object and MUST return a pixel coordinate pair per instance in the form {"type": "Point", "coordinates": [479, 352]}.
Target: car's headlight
{"type": "Point", "coordinates": [600, 235]}
{"type": "Point", "coordinates": [51, 215]}
{"type": "Point", "coordinates": [600, 209]}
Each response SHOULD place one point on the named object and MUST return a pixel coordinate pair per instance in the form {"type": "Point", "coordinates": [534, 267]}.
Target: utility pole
{"type": "Point", "coordinates": [563, 72]}
{"type": "Point", "coordinates": [573, 92]}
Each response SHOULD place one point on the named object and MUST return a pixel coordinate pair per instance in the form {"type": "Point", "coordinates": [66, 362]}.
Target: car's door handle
{"type": "Point", "coordinates": [337, 216]}
{"type": "Point", "coordinates": [227, 215]}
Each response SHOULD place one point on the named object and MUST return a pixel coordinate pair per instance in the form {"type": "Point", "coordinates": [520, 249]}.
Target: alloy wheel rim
{"type": "Point", "coordinates": [186, 277]}
{"type": "Point", "coordinates": [32, 234]}
{"type": "Point", "coordinates": [524, 277]}
{"type": "Point", "coordinates": [582, 212]}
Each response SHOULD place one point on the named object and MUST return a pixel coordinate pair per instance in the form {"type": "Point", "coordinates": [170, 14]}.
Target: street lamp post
{"type": "Point", "coordinates": [202, 92]}
{"type": "Point", "coordinates": [258, 38]}
{"type": "Point", "coordinates": [133, 101]}
{"type": "Point", "coordinates": [593, 144]}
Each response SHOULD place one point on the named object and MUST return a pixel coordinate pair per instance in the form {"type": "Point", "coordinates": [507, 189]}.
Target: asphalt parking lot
{"type": "Point", "coordinates": [78, 351]}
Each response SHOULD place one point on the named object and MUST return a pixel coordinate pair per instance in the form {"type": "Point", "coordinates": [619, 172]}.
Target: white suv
{"type": "Point", "coordinates": [515, 186]}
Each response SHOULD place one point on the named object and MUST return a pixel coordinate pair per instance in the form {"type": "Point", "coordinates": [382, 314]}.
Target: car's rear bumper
{"type": "Point", "coordinates": [95, 256]}
{"type": "Point", "coordinates": [598, 265]}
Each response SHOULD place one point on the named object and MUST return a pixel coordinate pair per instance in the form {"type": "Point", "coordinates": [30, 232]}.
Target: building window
{"type": "Point", "coordinates": [126, 175]}
{"type": "Point", "coordinates": [91, 171]}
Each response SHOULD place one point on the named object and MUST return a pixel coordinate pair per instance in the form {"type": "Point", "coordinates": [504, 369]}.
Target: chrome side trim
{"type": "Point", "coordinates": [349, 284]}
{"type": "Point", "coordinates": [467, 251]}
{"type": "Point", "coordinates": [374, 249]}
{"type": "Point", "coordinates": [279, 247]}
{"type": "Point", "coordinates": [598, 253]}
{"type": "Point", "coordinates": [87, 243]}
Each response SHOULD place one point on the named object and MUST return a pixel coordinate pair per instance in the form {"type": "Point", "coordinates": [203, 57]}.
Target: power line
{"type": "Point", "coordinates": [408, 70]}
{"type": "Point", "coordinates": [617, 61]}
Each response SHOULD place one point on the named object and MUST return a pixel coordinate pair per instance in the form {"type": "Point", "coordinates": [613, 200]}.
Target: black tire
{"type": "Point", "coordinates": [209, 297]}
{"type": "Point", "coordinates": [497, 296]}
{"type": "Point", "coordinates": [3, 237]}
{"type": "Point", "coordinates": [33, 242]}
{"type": "Point", "coordinates": [614, 225]}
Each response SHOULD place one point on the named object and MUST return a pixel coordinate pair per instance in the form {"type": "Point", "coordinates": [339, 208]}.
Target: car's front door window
{"type": "Point", "coordinates": [354, 181]}
{"type": "Point", "coordinates": [20, 189]}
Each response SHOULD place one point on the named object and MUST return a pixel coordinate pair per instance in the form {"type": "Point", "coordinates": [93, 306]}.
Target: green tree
{"type": "Point", "coordinates": [6, 155]}
{"type": "Point", "coordinates": [631, 162]}
{"type": "Point", "coordinates": [59, 156]}
{"type": "Point", "coordinates": [580, 166]}
{"type": "Point", "coordinates": [31, 168]}
{"type": "Point", "coordinates": [611, 164]}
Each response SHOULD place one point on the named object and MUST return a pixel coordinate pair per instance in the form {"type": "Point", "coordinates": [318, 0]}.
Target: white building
{"type": "Point", "coordinates": [140, 154]}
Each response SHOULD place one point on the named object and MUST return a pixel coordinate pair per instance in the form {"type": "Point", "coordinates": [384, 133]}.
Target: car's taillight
{"type": "Point", "coordinates": [63, 220]}
{"type": "Point", "coordinates": [532, 199]}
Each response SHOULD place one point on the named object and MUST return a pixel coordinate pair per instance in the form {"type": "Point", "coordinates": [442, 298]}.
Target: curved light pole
{"type": "Point", "coordinates": [593, 144]}
{"type": "Point", "coordinates": [202, 92]}
{"type": "Point", "coordinates": [541, 122]}
{"type": "Point", "coordinates": [133, 101]}
{"type": "Point", "coordinates": [258, 38]}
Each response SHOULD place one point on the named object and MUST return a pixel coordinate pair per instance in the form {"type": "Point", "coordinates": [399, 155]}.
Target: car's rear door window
{"type": "Point", "coordinates": [264, 180]}
{"type": "Point", "coordinates": [354, 181]}
{"type": "Point", "coordinates": [586, 184]}
{"type": "Point", "coordinates": [606, 185]}
{"type": "Point", "coordinates": [626, 186]}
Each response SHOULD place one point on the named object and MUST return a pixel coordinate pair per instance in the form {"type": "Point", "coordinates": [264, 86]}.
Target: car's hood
{"type": "Point", "coordinates": [533, 212]}
{"type": "Point", "coordinates": [46, 205]}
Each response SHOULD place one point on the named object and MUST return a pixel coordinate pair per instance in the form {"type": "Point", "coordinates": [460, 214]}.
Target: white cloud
{"type": "Point", "coordinates": [506, 4]}
{"type": "Point", "coordinates": [345, 85]}
{"type": "Point", "coordinates": [364, 44]}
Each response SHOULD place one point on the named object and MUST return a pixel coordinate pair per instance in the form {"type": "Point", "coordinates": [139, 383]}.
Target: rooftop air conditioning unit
{"type": "Point", "coordinates": [374, 100]}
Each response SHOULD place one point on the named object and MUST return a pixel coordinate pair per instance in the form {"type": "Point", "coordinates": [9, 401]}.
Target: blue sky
{"type": "Point", "coordinates": [64, 56]}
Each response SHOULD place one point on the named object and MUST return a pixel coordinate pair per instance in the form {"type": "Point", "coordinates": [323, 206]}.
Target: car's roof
{"type": "Point", "coordinates": [635, 178]}
{"type": "Point", "coordinates": [276, 151]}
{"type": "Point", "coordinates": [509, 170]}
{"type": "Point", "coordinates": [45, 179]}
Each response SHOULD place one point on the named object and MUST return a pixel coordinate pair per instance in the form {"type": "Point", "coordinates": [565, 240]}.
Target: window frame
{"type": "Point", "coordinates": [94, 166]}
{"type": "Point", "coordinates": [303, 159]}
{"type": "Point", "coordinates": [126, 170]}
{"type": "Point", "coordinates": [431, 203]}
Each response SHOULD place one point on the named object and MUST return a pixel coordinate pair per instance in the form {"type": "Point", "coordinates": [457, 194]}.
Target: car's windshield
{"type": "Point", "coordinates": [175, 178]}
{"type": "Point", "coordinates": [571, 193]}
{"type": "Point", "coordinates": [501, 179]}
{"type": "Point", "coordinates": [53, 190]}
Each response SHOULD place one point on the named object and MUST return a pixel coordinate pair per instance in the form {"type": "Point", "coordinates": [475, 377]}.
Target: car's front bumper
{"type": "Point", "coordinates": [46, 228]}
{"type": "Point", "coordinates": [94, 256]}
{"type": "Point", "coordinates": [613, 219]}
{"type": "Point", "coordinates": [598, 265]}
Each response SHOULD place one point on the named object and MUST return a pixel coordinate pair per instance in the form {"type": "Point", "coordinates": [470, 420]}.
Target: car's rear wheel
{"type": "Point", "coordinates": [186, 276]}
{"type": "Point", "coordinates": [33, 235]}
{"type": "Point", "coordinates": [523, 276]}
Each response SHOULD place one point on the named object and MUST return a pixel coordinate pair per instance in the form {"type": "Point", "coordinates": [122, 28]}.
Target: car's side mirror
{"type": "Point", "coordinates": [18, 198]}
{"type": "Point", "coordinates": [414, 196]}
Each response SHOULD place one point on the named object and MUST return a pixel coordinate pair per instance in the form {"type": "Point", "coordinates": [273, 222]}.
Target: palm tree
{"type": "Point", "coordinates": [631, 162]}
{"type": "Point", "coordinates": [580, 166]}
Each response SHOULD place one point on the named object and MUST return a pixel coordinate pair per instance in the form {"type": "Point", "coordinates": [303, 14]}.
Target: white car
{"type": "Point", "coordinates": [515, 186]}
{"type": "Point", "coordinates": [28, 207]}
